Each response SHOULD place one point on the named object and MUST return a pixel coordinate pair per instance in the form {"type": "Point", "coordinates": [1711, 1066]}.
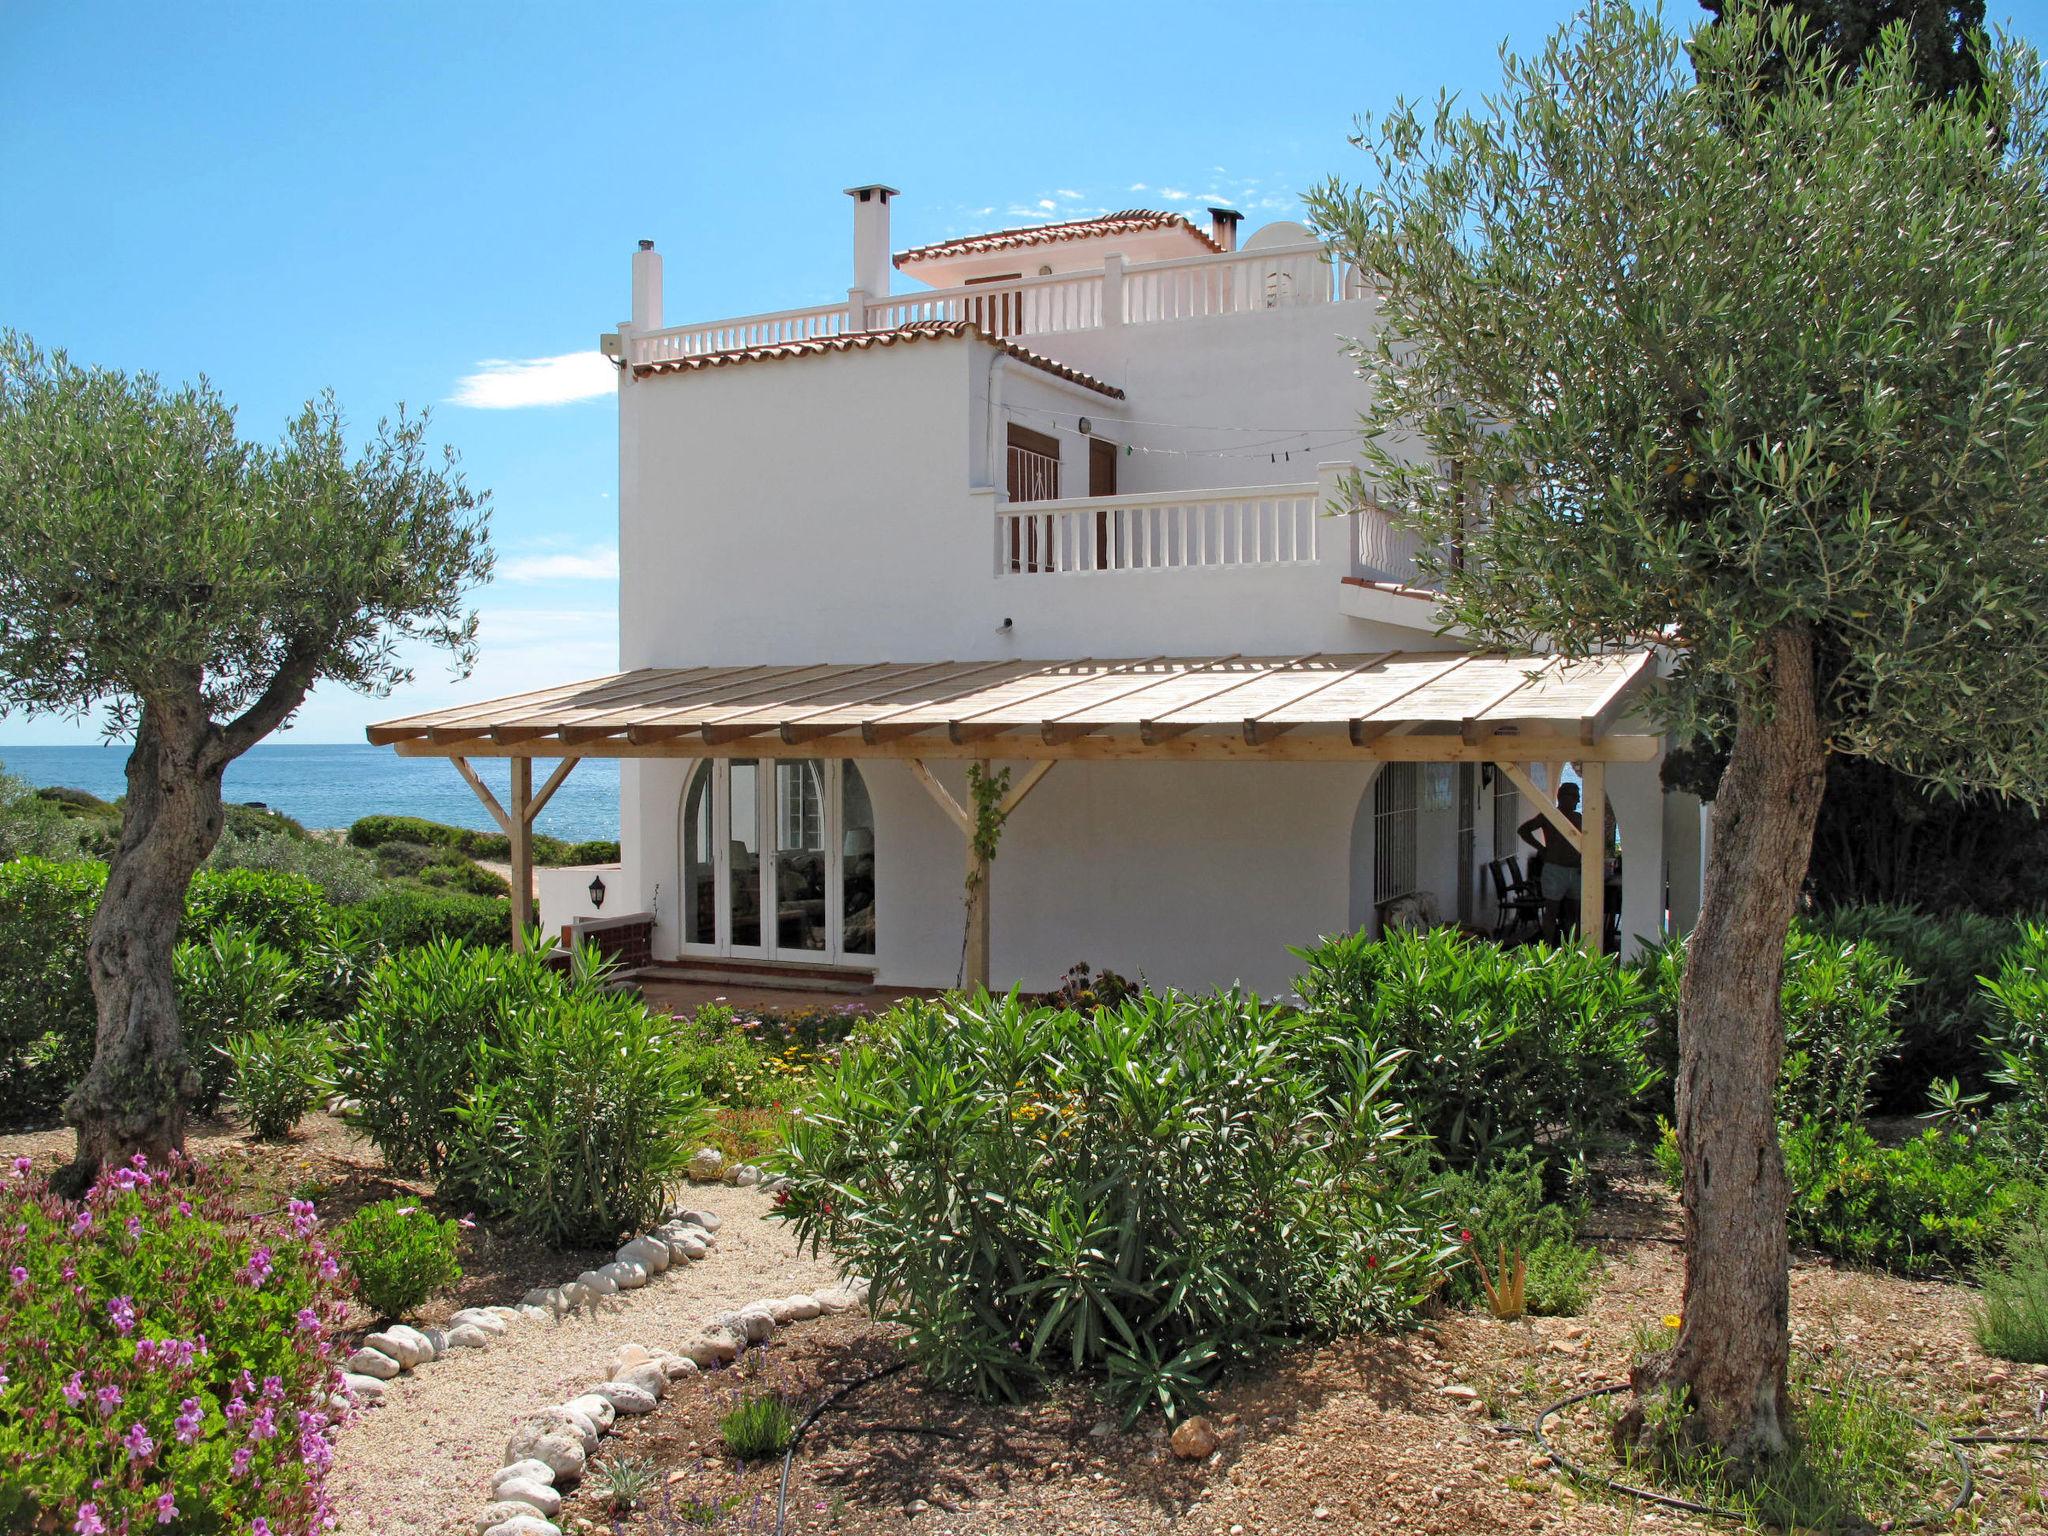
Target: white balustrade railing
{"type": "Point", "coordinates": [1170, 530]}
{"type": "Point", "coordinates": [1386, 551]}
{"type": "Point", "coordinates": [1276, 278]}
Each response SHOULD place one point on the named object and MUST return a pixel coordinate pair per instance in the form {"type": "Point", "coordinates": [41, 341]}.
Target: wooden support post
{"type": "Point", "coordinates": [974, 971]}
{"type": "Point", "coordinates": [1593, 856]}
{"type": "Point", "coordinates": [521, 815]}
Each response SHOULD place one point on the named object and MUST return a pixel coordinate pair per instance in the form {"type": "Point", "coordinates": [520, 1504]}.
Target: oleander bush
{"type": "Point", "coordinates": [1840, 1001]}
{"type": "Point", "coordinates": [1942, 1203]}
{"type": "Point", "coordinates": [407, 916]}
{"type": "Point", "coordinates": [230, 984]}
{"type": "Point", "coordinates": [1152, 1192]}
{"type": "Point", "coordinates": [1500, 1048]}
{"type": "Point", "coordinates": [278, 1074]}
{"type": "Point", "coordinates": [2017, 1046]}
{"type": "Point", "coordinates": [1944, 1014]}
{"type": "Point", "coordinates": [164, 1359]}
{"type": "Point", "coordinates": [47, 1014]}
{"type": "Point", "coordinates": [284, 911]}
{"type": "Point", "coordinates": [397, 1256]}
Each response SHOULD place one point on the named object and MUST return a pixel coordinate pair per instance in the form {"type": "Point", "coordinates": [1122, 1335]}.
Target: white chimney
{"type": "Point", "coordinates": [871, 265]}
{"type": "Point", "coordinates": [646, 288]}
{"type": "Point", "coordinates": [1223, 227]}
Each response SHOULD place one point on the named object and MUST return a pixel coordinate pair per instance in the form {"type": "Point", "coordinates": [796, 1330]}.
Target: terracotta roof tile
{"type": "Point", "coordinates": [1131, 221]}
{"type": "Point", "coordinates": [862, 341]}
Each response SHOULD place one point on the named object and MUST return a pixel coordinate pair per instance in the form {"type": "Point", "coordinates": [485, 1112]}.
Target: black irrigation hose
{"type": "Point", "coordinates": [830, 1400]}
{"type": "Point", "coordinates": [1964, 1485]}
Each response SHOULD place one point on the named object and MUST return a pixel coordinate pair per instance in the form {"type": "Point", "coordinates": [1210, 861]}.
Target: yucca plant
{"type": "Point", "coordinates": [1507, 1287]}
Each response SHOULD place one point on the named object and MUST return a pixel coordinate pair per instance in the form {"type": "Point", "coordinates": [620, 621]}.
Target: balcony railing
{"type": "Point", "coordinates": [1171, 530]}
{"type": "Point", "coordinates": [1279, 277]}
{"type": "Point", "coordinates": [1385, 551]}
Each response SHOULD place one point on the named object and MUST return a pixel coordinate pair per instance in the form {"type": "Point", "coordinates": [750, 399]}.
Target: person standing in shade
{"type": "Point", "coordinates": [1560, 877]}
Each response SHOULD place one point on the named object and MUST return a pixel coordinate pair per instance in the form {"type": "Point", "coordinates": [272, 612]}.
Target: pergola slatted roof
{"type": "Point", "coordinates": [1405, 704]}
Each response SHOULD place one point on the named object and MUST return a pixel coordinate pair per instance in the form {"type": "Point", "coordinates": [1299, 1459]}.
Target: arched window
{"type": "Point", "coordinates": [778, 860]}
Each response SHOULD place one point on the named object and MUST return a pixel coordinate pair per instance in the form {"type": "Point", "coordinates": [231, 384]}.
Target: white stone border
{"type": "Point", "coordinates": [554, 1445]}
{"type": "Point", "coordinates": [391, 1352]}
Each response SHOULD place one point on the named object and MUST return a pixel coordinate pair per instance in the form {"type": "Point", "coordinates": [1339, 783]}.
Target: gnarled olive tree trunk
{"type": "Point", "coordinates": [133, 1097]}
{"type": "Point", "coordinates": [1731, 1355]}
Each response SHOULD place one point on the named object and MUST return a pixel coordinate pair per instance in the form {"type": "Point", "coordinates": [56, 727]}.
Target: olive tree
{"type": "Point", "coordinates": [1740, 356]}
{"type": "Point", "coordinates": [194, 585]}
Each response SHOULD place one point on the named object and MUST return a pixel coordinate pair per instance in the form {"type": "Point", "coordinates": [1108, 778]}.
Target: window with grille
{"type": "Point", "coordinates": [1394, 825]}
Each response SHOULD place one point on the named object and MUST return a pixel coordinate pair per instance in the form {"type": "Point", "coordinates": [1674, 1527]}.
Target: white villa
{"type": "Point", "coordinates": [1069, 507]}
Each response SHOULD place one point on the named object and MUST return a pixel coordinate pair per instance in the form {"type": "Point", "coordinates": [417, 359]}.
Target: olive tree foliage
{"type": "Point", "coordinates": [192, 586]}
{"type": "Point", "coordinates": [1715, 361]}
{"type": "Point", "coordinates": [1711, 345]}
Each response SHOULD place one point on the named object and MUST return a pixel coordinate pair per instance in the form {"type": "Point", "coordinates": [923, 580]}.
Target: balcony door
{"type": "Point", "coordinates": [777, 861]}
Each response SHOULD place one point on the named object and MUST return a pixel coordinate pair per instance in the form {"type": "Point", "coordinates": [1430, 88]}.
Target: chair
{"type": "Point", "coordinates": [1517, 901]}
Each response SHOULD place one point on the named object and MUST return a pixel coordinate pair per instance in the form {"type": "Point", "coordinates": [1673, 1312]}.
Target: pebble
{"type": "Point", "coordinates": [476, 1317]}
{"type": "Point", "coordinates": [706, 1165]}
{"type": "Point", "coordinates": [916, 1507]}
{"type": "Point", "coordinates": [468, 1336]}
{"type": "Point", "coordinates": [594, 1408]}
{"type": "Point", "coordinates": [628, 1355]}
{"type": "Point", "coordinates": [675, 1367]}
{"type": "Point", "coordinates": [367, 1390]}
{"type": "Point", "coordinates": [648, 1376]}
{"type": "Point", "coordinates": [531, 1492]}
{"type": "Point", "coordinates": [626, 1275]}
{"type": "Point", "coordinates": [710, 1221]}
{"type": "Point", "coordinates": [507, 1509]}
{"type": "Point", "coordinates": [598, 1283]}
{"type": "Point", "coordinates": [402, 1344]}
{"type": "Point", "coordinates": [834, 1302]}
{"type": "Point", "coordinates": [373, 1363]}
{"type": "Point", "coordinates": [1195, 1439]}
{"type": "Point", "coordinates": [1454, 1390]}
{"type": "Point", "coordinates": [626, 1398]}
{"type": "Point", "coordinates": [562, 1452]}
{"type": "Point", "coordinates": [556, 1422]}
{"type": "Point", "coordinates": [803, 1308]}
{"type": "Point", "coordinates": [714, 1348]}
{"type": "Point", "coordinates": [524, 1525]}
{"type": "Point", "coordinates": [758, 1322]}
{"type": "Point", "coordinates": [650, 1253]}
{"type": "Point", "coordinates": [529, 1470]}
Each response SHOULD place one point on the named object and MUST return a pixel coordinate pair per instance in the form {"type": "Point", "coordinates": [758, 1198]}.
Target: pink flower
{"type": "Point", "coordinates": [19, 1276]}
{"type": "Point", "coordinates": [259, 1527]}
{"type": "Point", "coordinates": [89, 1522]}
{"type": "Point", "coordinates": [74, 1389]}
{"type": "Point", "coordinates": [258, 1268]}
{"type": "Point", "coordinates": [304, 1217]}
{"type": "Point", "coordinates": [82, 1225]}
{"type": "Point", "coordinates": [273, 1387]}
{"type": "Point", "coordinates": [166, 1509]}
{"type": "Point", "coordinates": [239, 1466]}
{"type": "Point", "coordinates": [122, 1310]}
{"type": "Point", "coordinates": [236, 1410]}
{"type": "Point", "coordinates": [109, 1398]}
{"type": "Point", "coordinates": [139, 1444]}
{"type": "Point", "coordinates": [135, 1226]}
{"type": "Point", "coordinates": [190, 1417]}
{"type": "Point", "coordinates": [22, 1166]}
{"type": "Point", "coordinates": [309, 1320]}
{"type": "Point", "coordinates": [264, 1425]}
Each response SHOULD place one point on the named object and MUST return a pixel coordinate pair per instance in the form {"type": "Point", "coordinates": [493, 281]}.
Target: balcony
{"type": "Point", "coordinates": [1202, 530]}
{"type": "Point", "coordinates": [1278, 277]}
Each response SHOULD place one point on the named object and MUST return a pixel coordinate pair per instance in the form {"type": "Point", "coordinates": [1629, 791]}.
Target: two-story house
{"type": "Point", "coordinates": [1064, 501]}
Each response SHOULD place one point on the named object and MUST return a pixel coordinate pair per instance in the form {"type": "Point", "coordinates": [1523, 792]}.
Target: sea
{"type": "Point", "coordinates": [334, 785]}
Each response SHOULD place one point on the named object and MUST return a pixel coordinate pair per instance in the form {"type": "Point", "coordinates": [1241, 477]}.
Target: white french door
{"type": "Point", "coordinates": [777, 861]}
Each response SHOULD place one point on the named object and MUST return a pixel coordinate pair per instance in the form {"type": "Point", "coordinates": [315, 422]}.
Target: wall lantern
{"type": "Point", "coordinates": [597, 891]}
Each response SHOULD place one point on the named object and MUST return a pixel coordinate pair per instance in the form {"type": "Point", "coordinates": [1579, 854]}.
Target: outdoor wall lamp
{"type": "Point", "coordinates": [597, 891]}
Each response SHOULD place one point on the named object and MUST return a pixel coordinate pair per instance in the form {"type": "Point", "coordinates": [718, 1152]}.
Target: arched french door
{"type": "Point", "coordinates": [778, 860]}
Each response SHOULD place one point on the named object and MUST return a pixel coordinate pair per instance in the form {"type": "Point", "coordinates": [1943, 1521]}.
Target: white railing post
{"type": "Point", "coordinates": [1113, 289]}
{"type": "Point", "coordinates": [1330, 499]}
{"type": "Point", "coordinates": [856, 309]}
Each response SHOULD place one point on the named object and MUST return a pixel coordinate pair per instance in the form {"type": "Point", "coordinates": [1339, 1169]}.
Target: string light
{"type": "Point", "coordinates": [1276, 450]}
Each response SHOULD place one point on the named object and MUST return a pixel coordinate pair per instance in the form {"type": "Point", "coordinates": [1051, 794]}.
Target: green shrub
{"type": "Point", "coordinates": [47, 1014]}
{"type": "Point", "coordinates": [405, 917]}
{"type": "Point", "coordinates": [274, 845]}
{"type": "Point", "coordinates": [2017, 1044]}
{"type": "Point", "coordinates": [1504, 1048]}
{"type": "Point", "coordinates": [760, 1423]}
{"type": "Point", "coordinates": [284, 911]}
{"type": "Point", "coordinates": [376, 831]}
{"type": "Point", "coordinates": [1839, 1001]}
{"type": "Point", "coordinates": [398, 1256]}
{"type": "Point", "coordinates": [1945, 1013]}
{"type": "Point", "coordinates": [1939, 1203]}
{"type": "Point", "coordinates": [578, 1120]}
{"type": "Point", "coordinates": [2012, 1320]}
{"type": "Point", "coordinates": [1503, 1208]}
{"type": "Point", "coordinates": [1153, 1191]}
{"type": "Point", "coordinates": [33, 826]}
{"type": "Point", "coordinates": [230, 984]}
{"type": "Point", "coordinates": [335, 966]}
{"type": "Point", "coordinates": [279, 1074]}
{"type": "Point", "coordinates": [455, 872]}
{"type": "Point", "coordinates": [136, 1326]}
{"type": "Point", "coordinates": [596, 851]}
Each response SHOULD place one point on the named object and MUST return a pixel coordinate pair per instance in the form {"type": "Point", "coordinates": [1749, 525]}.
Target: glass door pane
{"type": "Point", "coordinates": [700, 866]}
{"type": "Point", "coordinates": [743, 874]}
{"type": "Point", "coordinates": [856, 864]}
{"type": "Point", "coordinates": [800, 855]}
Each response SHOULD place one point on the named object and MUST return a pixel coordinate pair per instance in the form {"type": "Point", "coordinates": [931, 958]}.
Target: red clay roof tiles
{"type": "Point", "coordinates": [1131, 221]}
{"type": "Point", "coordinates": [862, 341]}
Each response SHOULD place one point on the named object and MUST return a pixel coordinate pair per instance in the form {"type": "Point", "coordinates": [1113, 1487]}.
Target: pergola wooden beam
{"type": "Point", "coordinates": [975, 962]}
{"type": "Point", "coordinates": [517, 825]}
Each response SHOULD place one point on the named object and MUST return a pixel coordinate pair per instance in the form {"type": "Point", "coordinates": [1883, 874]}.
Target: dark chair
{"type": "Point", "coordinates": [1517, 901]}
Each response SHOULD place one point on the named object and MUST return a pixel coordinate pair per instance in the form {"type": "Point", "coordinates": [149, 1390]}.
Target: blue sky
{"type": "Point", "coordinates": [435, 203]}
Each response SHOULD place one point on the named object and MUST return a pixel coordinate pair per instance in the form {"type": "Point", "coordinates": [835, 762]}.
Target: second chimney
{"type": "Point", "coordinates": [1223, 227]}
{"type": "Point", "coordinates": [646, 288]}
{"type": "Point", "coordinates": [871, 265]}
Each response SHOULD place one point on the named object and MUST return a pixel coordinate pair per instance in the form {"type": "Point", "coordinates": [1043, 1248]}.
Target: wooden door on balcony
{"type": "Point", "coordinates": [1102, 482]}
{"type": "Point", "coordinates": [1034, 475]}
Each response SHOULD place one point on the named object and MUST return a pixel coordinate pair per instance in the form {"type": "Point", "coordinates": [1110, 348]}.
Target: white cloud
{"type": "Point", "coordinates": [1047, 203]}
{"type": "Point", "coordinates": [1070, 196]}
{"type": "Point", "coordinates": [1173, 194]}
{"type": "Point", "coordinates": [510, 384]}
{"type": "Point", "coordinates": [1138, 186]}
{"type": "Point", "coordinates": [600, 563]}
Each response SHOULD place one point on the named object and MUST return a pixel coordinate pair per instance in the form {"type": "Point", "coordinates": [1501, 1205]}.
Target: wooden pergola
{"type": "Point", "coordinates": [1387, 706]}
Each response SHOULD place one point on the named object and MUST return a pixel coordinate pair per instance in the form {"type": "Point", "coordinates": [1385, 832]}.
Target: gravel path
{"type": "Point", "coordinates": [422, 1462]}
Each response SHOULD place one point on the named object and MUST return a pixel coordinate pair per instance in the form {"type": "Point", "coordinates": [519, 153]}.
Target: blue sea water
{"type": "Point", "coordinates": [333, 785]}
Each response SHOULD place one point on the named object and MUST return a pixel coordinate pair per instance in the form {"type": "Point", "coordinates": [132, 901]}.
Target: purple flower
{"type": "Point", "coordinates": [258, 1269]}
{"type": "Point", "coordinates": [259, 1527]}
{"type": "Point", "coordinates": [328, 1268]}
{"type": "Point", "coordinates": [309, 1322]}
{"type": "Point", "coordinates": [273, 1387]}
{"type": "Point", "coordinates": [19, 1276]}
{"type": "Point", "coordinates": [74, 1389]}
{"type": "Point", "coordinates": [89, 1522]}
{"type": "Point", "coordinates": [236, 1410]}
{"type": "Point", "coordinates": [190, 1417]}
{"type": "Point", "coordinates": [139, 1444]}
{"type": "Point", "coordinates": [109, 1398]}
{"type": "Point", "coordinates": [135, 1226]}
{"type": "Point", "coordinates": [22, 1166]}
{"type": "Point", "coordinates": [166, 1509]}
{"type": "Point", "coordinates": [82, 1225]}
{"type": "Point", "coordinates": [239, 1467]}
{"type": "Point", "coordinates": [264, 1425]}
{"type": "Point", "coordinates": [304, 1217]}
{"type": "Point", "coordinates": [122, 1310]}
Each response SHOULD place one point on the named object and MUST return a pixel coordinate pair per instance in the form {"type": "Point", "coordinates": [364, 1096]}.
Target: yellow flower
{"type": "Point", "coordinates": [1673, 1320]}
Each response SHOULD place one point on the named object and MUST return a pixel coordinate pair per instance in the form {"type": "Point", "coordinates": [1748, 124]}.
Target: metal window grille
{"type": "Point", "coordinates": [1394, 825]}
